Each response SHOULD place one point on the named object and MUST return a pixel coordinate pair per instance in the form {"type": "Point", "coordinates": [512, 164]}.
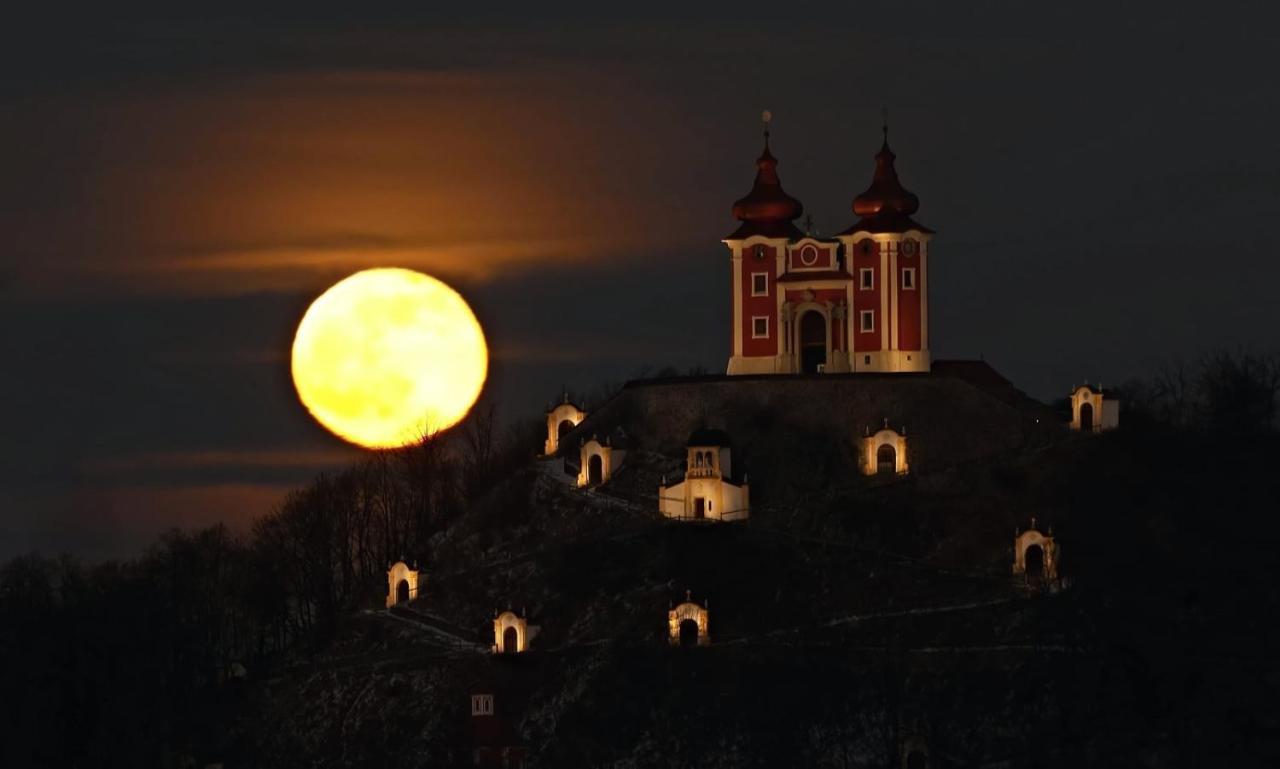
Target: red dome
{"type": "Point", "coordinates": [886, 194]}
{"type": "Point", "coordinates": [767, 203]}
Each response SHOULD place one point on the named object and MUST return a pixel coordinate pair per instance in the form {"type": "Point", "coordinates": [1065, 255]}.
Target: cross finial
{"type": "Point", "coordinates": [808, 224]}
{"type": "Point", "coordinates": [766, 117]}
{"type": "Point", "coordinates": [884, 123]}
{"type": "Point", "coordinates": [1033, 521]}
{"type": "Point", "coordinates": [688, 595]}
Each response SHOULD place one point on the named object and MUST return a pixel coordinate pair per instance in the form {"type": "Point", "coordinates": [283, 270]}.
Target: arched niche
{"type": "Point", "coordinates": [402, 584]}
{"type": "Point", "coordinates": [886, 444]}
{"type": "Point", "coordinates": [597, 462]}
{"type": "Point", "coordinates": [510, 633]}
{"type": "Point", "coordinates": [1033, 538]}
{"type": "Point", "coordinates": [1093, 410]}
{"type": "Point", "coordinates": [678, 620]}
{"type": "Point", "coordinates": [560, 421]}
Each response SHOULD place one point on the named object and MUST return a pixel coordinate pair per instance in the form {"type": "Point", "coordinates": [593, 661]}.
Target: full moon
{"type": "Point", "coordinates": [388, 356]}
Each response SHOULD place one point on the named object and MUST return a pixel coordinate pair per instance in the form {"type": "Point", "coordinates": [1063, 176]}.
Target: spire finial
{"type": "Point", "coordinates": [766, 117]}
{"type": "Point", "coordinates": [884, 123]}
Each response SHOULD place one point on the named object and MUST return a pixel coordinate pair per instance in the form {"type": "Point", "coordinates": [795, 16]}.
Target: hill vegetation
{"type": "Point", "coordinates": [847, 619]}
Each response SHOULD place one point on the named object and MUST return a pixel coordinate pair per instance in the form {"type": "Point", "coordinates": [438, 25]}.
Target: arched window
{"type": "Point", "coordinates": [886, 460]}
{"type": "Point", "coordinates": [1034, 561]}
{"type": "Point", "coordinates": [689, 632]}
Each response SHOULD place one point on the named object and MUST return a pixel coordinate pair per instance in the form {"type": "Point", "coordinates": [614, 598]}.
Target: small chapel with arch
{"type": "Point", "coordinates": [708, 492]}
{"type": "Point", "coordinates": [560, 422]}
{"type": "Point", "coordinates": [402, 583]}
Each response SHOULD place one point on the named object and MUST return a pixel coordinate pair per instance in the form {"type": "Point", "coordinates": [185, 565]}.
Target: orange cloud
{"type": "Point", "coordinates": [220, 459]}
{"type": "Point", "coordinates": [288, 181]}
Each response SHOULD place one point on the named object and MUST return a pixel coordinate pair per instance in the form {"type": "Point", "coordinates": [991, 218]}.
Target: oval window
{"type": "Point", "coordinates": [808, 256]}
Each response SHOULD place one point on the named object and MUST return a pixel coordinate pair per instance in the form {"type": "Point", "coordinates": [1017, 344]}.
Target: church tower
{"type": "Point", "coordinates": [809, 305]}
{"type": "Point", "coordinates": [887, 252]}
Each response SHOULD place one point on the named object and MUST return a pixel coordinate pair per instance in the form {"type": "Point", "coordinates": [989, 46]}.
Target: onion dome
{"type": "Point", "coordinates": [767, 210]}
{"type": "Point", "coordinates": [886, 206]}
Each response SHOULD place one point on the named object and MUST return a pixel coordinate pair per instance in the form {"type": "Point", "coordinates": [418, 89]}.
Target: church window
{"type": "Point", "coordinates": [867, 278]}
{"type": "Point", "coordinates": [760, 327]}
{"type": "Point", "coordinates": [909, 247]}
{"type": "Point", "coordinates": [909, 278]}
{"type": "Point", "coordinates": [759, 284]}
{"type": "Point", "coordinates": [868, 320]}
{"type": "Point", "coordinates": [759, 251]}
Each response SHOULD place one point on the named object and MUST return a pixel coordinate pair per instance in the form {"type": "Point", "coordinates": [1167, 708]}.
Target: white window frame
{"type": "Point", "coordinates": [482, 704]}
{"type": "Point", "coordinates": [765, 275]}
{"type": "Point", "coordinates": [863, 283]}
{"type": "Point", "coordinates": [865, 327]}
{"type": "Point", "coordinates": [755, 318]}
{"type": "Point", "coordinates": [912, 272]}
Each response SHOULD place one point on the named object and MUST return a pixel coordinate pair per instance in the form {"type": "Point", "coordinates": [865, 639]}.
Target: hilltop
{"type": "Point", "coordinates": [849, 627]}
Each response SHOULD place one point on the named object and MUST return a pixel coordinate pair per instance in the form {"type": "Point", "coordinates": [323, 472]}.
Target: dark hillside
{"type": "Point", "coordinates": [843, 625]}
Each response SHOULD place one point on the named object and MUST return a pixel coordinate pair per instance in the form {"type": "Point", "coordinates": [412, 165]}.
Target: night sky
{"type": "Point", "coordinates": [174, 192]}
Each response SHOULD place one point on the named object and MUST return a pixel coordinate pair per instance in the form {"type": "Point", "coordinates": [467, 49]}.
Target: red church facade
{"type": "Point", "coordinates": [855, 302]}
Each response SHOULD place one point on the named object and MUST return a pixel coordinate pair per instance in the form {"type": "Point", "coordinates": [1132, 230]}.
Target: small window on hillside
{"type": "Point", "coordinates": [867, 278]}
{"type": "Point", "coordinates": [482, 704]}
{"type": "Point", "coordinates": [760, 327]}
{"type": "Point", "coordinates": [759, 284]}
{"type": "Point", "coordinates": [868, 321]}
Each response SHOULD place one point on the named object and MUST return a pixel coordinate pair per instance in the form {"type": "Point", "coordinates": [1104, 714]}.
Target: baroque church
{"type": "Point", "coordinates": [810, 305]}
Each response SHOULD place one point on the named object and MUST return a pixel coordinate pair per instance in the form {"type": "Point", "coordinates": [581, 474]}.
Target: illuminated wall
{"type": "Point", "coordinates": [1033, 538]}
{"type": "Point", "coordinates": [872, 444]}
{"type": "Point", "coordinates": [400, 572]}
{"type": "Point", "coordinates": [610, 460]}
{"type": "Point", "coordinates": [565, 412]}
{"type": "Point", "coordinates": [524, 633]}
{"type": "Point", "coordinates": [874, 302]}
{"type": "Point", "coordinates": [688, 611]}
{"type": "Point", "coordinates": [1102, 412]}
{"type": "Point", "coordinates": [706, 493]}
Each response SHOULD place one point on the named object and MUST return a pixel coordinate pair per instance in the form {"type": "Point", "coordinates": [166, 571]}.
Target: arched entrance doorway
{"type": "Point", "coordinates": [1086, 416]}
{"type": "Point", "coordinates": [886, 460]}
{"type": "Point", "coordinates": [813, 341]}
{"type": "Point", "coordinates": [563, 430]}
{"type": "Point", "coordinates": [510, 641]}
{"type": "Point", "coordinates": [689, 632]}
{"type": "Point", "coordinates": [402, 591]}
{"type": "Point", "coordinates": [595, 470]}
{"type": "Point", "coordinates": [1034, 560]}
